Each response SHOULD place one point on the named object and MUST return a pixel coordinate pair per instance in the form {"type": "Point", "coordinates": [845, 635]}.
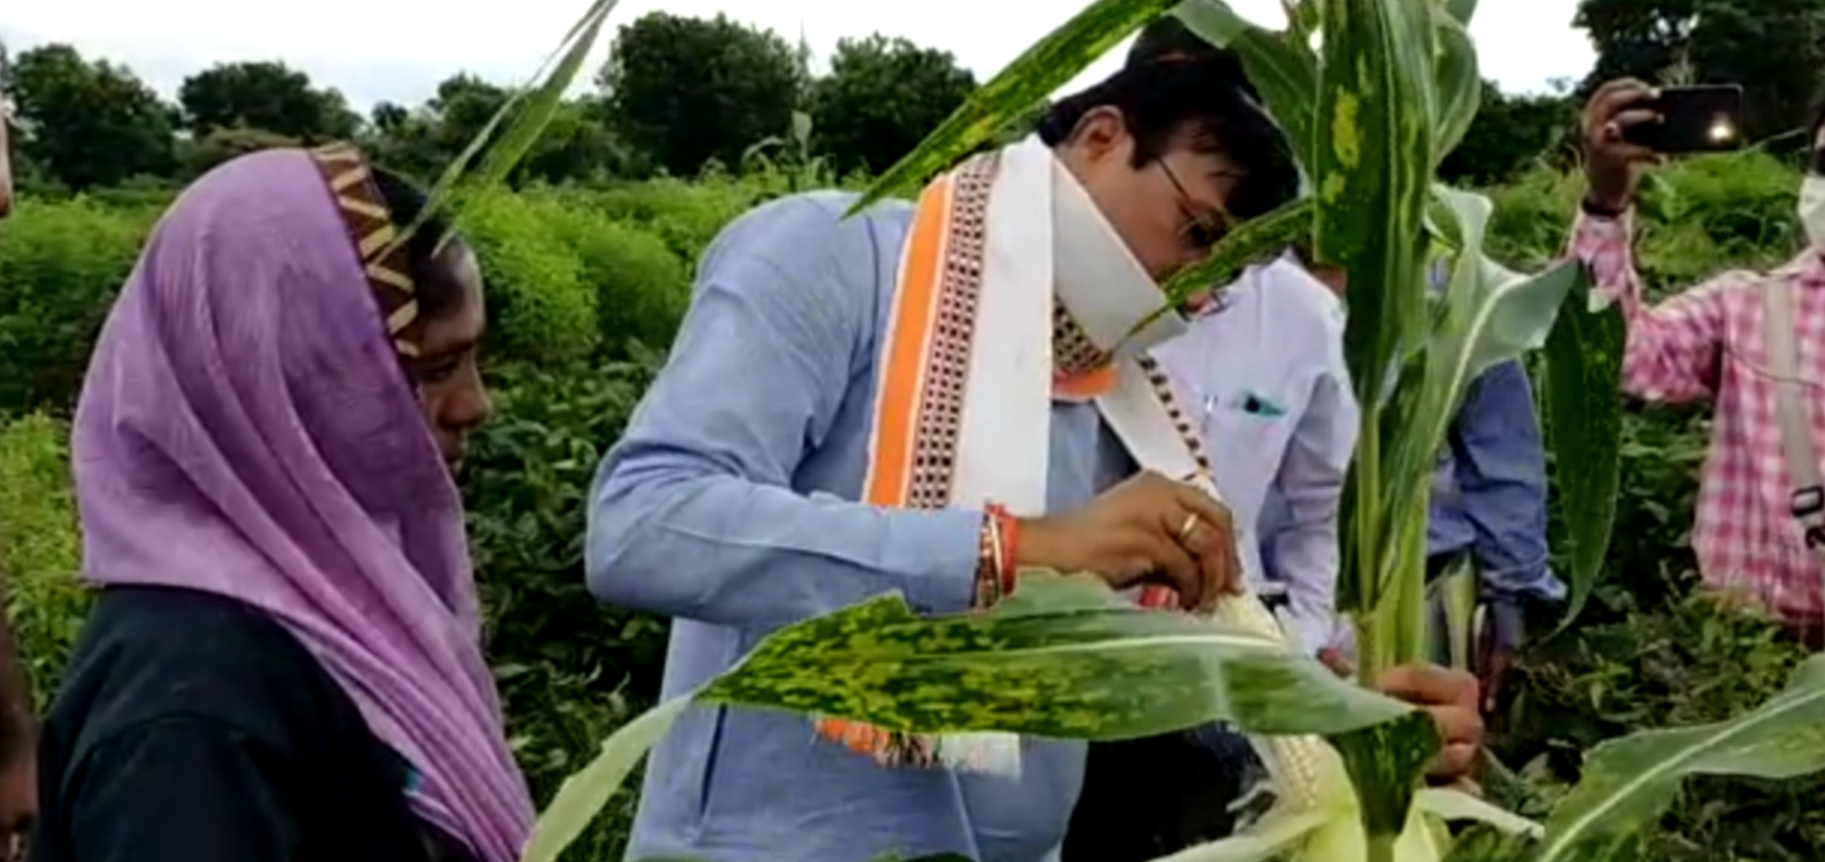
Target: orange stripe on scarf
{"type": "Point", "coordinates": [909, 338]}
{"type": "Point", "coordinates": [899, 394]}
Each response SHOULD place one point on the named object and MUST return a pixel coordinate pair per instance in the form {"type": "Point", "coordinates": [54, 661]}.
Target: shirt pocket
{"type": "Point", "coordinates": [1246, 436]}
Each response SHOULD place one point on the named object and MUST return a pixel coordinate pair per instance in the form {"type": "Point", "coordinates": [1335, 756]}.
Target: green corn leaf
{"type": "Point", "coordinates": [458, 184]}
{"type": "Point", "coordinates": [1628, 783]}
{"type": "Point", "coordinates": [1065, 658]}
{"type": "Point", "coordinates": [1375, 111]}
{"type": "Point", "coordinates": [1462, 10]}
{"type": "Point", "coordinates": [1048, 65]}
{"type": "Point", "coordinates": [1392, 758]}
{"type": "Point", "coordinates": [1456, 806]}
{"type": "Point", "coordinates": [1269, 839]}
{"type": "Point", "coordinates": [1251, 242]}
{"type": "Point", "coordinates": [1459, 85]}
{"type": "Point", "coordinates": [538, 106]}
{"type": "Point", "coordinates": [583, 794]}
{"type": "Point", "coordinates": [1301, 19]}
{"type": "Point", "coordinates": [1283, 68]}
{"type": "Point", "coordinates": [1490, 315]}
{"type": "Point", "coordinates": [1583, 411]}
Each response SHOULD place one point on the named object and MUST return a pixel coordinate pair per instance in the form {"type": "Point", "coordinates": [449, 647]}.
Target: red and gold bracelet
{"type": "Point", "coordinates": [996, 555]}
{"type": "Point", "coordinates": [1008, 530]}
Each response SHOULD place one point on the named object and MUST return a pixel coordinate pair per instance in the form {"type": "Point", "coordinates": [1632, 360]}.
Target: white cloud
{"type": "Point", "coordinates": [399, 49]}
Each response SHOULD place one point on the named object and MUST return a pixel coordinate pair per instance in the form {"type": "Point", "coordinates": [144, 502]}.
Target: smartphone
{"type": "Point", "coordinates": [1706, 119]}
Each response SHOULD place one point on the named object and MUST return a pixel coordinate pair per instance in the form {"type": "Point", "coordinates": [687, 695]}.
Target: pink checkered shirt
{"type": "Point", "coordinates": [1707, 344]}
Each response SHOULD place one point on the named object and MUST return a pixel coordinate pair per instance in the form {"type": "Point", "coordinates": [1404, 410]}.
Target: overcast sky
{"type": "Point", "coordinates": [398, 50]}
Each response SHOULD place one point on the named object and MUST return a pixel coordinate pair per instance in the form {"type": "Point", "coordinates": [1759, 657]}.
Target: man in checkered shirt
{"type": "Point", "coordinates": [1707, 344]}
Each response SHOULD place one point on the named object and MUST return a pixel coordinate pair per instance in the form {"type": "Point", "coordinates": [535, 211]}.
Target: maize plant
{"type": "Point", "coordinates": [1372, 94]}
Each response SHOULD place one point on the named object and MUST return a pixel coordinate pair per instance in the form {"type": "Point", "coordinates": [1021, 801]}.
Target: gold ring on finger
{"type": "Point", "coordinates": [1191, 523]}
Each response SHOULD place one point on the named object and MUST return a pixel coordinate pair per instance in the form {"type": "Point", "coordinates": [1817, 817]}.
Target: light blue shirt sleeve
{"type": "Point", "coordinates": [697, 511]}
{"type": "Point", "coordinates": [1498, 464]}
{"type": "Point", "coordinates": [1307, 493]}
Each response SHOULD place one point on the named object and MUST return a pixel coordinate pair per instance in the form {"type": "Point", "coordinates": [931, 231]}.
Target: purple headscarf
{"type": "Point", "coordinates": [246, 429]}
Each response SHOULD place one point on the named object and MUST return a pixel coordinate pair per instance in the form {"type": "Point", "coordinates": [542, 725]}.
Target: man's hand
{"type": "Point", "coordinates": [1451, 697]}
{"type": "Point", "coordinates": [1147, 530]}
{"type": "Point", "coordinates": [1504, 627]}
{"type": "Point", "coordinates": [1611, 163]}
{"type": "Point", "coordinates": [18, 806]}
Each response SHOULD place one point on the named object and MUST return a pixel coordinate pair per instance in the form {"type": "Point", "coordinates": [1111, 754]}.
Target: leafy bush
{"type": "Point", "coordinates": [60, 266]}
{"type": "Point", "coordinates": [1693, 660]}
{"type": "Point", "coordinates": [570, 671]}
{"type": "Point", "coordinates": [539, 306]}
{"type": "Point", "coordinates": [40, 552]}
{"type": "Point", "coordinates": [685, 215]}
{"type": "Point", "coordinates": [641, 286]}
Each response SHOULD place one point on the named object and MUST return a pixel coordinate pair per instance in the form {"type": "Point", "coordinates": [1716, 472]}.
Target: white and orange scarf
{"type": "Point", "coordinates": [1013, 292]}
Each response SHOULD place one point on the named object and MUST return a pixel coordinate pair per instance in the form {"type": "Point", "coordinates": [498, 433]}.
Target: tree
{"type": "Point", "coordinates": [686, 90]}
{"type": "Point", "coordinates": [387, 117]}
{"type": "Point", "coordinates": [88, 124]}
{"type": "Point", "coordinates": [1774, 48]}
{"type": "Point", "coordinates": [1508, 133]}
{"type": "Point", "coordinates": [268, 96]}
{"type": "Point", "coordinates": [574, 146]}
{"type": "Point", "coordinates": [421, 142]}
{"type": "Point", "coordinates": [881, 98]}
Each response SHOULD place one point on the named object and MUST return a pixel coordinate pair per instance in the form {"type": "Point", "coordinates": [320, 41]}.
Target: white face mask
{"type": "Point", "coordinates": [1812, 209]}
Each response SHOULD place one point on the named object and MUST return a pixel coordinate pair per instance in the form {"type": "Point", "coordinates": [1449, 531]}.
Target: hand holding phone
{"type": "Point", "coordinates": [1702, 119]}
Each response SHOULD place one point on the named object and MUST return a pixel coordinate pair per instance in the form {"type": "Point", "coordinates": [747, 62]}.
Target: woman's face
{"type": "Point", "coordinates": [449, 383]}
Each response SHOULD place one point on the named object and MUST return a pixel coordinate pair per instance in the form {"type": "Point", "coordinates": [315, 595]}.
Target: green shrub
{"type": "Point", "coordinates": [1691, 661]}
{"type": "Point", "coordinates": [570, 670]}
{"type": "Point", "coordinates": [60, 267]}
{"type": "Point", "coordinates": [40, 552]}
{"type": "Point", "coordinates": [686, 215]}
{"type": "Point", "coordinates": [539, 307]}
{"type": "Point", "coordinates": [641, 286]}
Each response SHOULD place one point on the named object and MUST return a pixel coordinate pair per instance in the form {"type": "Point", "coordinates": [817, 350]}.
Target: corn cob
{"type": "Point", "coordinates": [1295, 763]}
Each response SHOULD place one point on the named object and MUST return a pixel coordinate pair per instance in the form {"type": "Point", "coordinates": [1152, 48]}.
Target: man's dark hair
{"type": "Point", "coordinates": [436, 294]}
{"type": "Point", "coordinates": [1159, 101]}
{"type": "Point", "coordinates": [1169, 40]}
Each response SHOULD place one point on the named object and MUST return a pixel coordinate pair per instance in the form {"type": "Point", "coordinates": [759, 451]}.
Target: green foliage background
{"type": "Point", "coordinates": [587, 289]}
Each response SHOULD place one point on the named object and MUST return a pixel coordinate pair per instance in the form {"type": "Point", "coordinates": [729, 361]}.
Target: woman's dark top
{"type": "Point", "coordinates": [194, 728]}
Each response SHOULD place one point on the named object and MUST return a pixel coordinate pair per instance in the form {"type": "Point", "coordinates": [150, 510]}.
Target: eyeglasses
{"type": "Point", "coordinates": [1201, 230]}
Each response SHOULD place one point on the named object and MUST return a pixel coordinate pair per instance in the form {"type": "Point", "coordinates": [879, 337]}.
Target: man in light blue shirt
{"type": "Point", "coordinates": [730, 504]}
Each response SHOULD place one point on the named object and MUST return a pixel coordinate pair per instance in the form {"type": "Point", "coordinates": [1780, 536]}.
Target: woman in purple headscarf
{"type": "Point", "coordinates": [284, 662]}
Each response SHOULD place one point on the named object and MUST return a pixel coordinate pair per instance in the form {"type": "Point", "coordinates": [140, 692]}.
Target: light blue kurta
{"type": "Point", "coordinates": [728, 505]}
